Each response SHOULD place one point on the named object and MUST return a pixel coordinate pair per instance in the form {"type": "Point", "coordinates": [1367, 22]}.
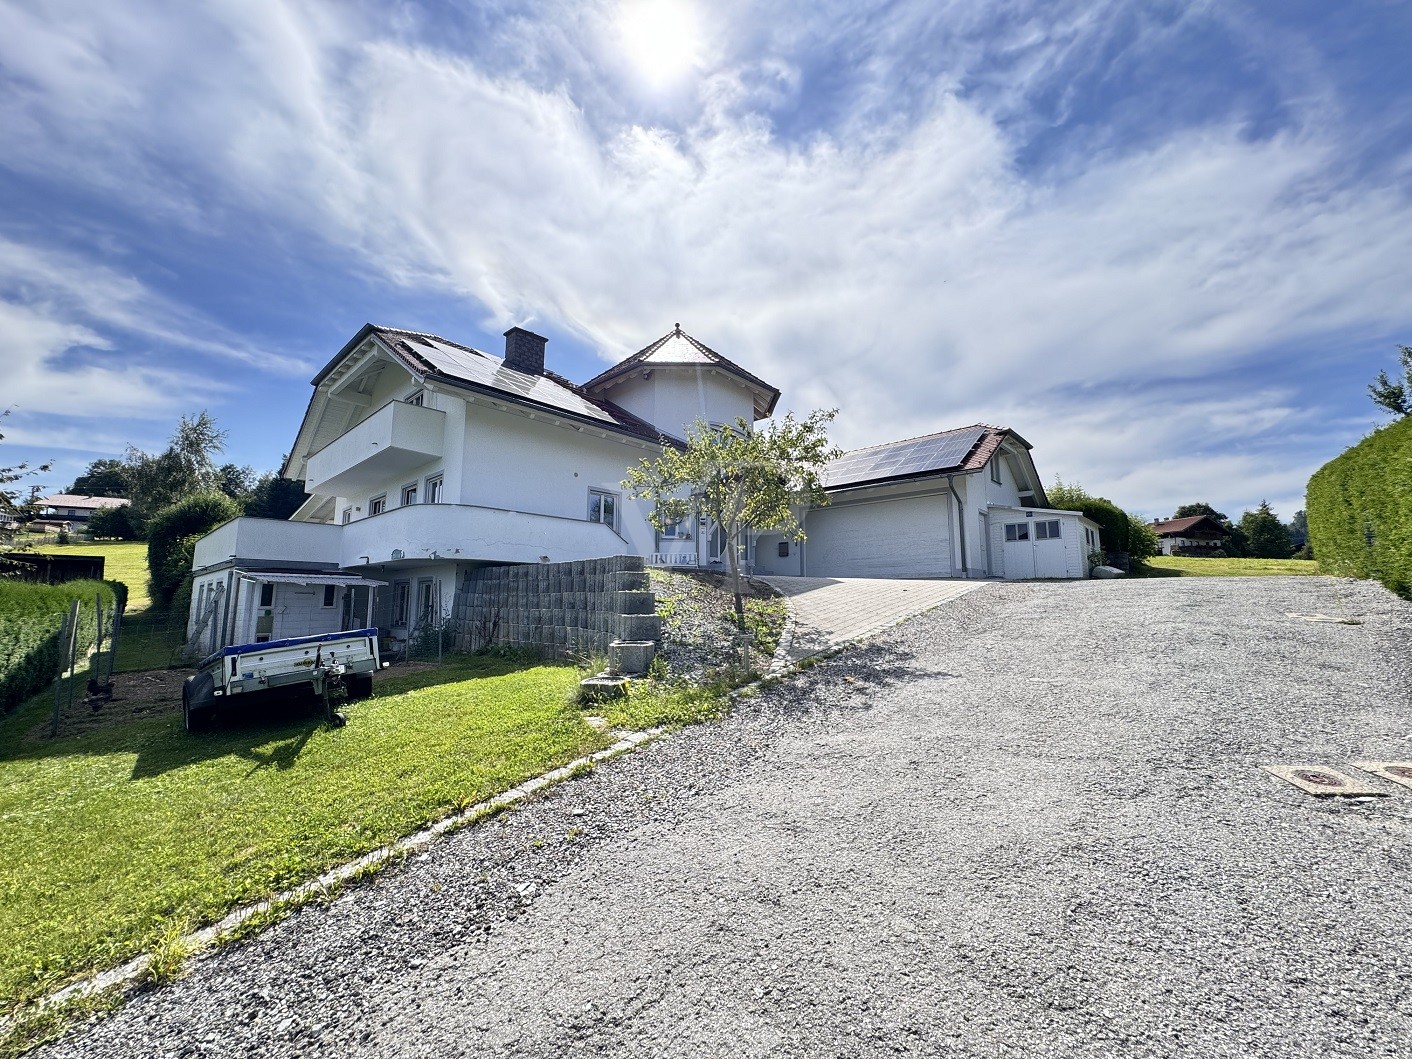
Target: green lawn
{"type": "Point", "coordinates": [149, 637]}
{"type": "Point", "coordinates": [1196, 566]}
{"type": "Point", "coordinates": [111, 838]}
{"type": "Point", "coordinates": [122, 561]}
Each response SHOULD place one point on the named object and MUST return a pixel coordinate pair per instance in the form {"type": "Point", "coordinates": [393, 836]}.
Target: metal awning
{"type": "Point", "coordinates": [311, 578]}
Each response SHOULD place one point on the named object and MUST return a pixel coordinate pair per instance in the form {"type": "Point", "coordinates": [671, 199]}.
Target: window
{"type": "Point", "coordinates": [347, 515]}
{"type": "Point", "coordinates": [377, 505]}
{"type": "Point", "coordinates": [784, 549]}
{"type": "Point", "coordinates": [995, 468]}
{"type": "Point", "coordinates": [426, 601]}
{"type": "Point", "coordinates": [1017, 531]}
{"type": "Point", "coordinates": [401, 597]}
{"type": "Point", "coordinates": [603, 507]}
{"type": "Point", "coordinates": [330, 591]}
{"type": "Point", "coordinates": [409, 495]}
{"type": "Point", "coordinates": [267, 595]}
{"type": "Point", "coordinates": [417, 398]}
{"type": "Point", "coordinates": [1047, 530]}
{"type": "Point", "coordinates": [434, 489]}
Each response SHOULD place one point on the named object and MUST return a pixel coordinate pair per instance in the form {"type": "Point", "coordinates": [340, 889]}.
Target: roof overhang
{"type": "Point", "coordinates": [312, 577]}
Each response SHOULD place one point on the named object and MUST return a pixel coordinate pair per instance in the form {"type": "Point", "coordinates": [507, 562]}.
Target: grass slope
{"type": "Point", "coordinates": [149, 637]}
{"type": "Point", "coordinates": [1197, 566]}
{"type": "Point", "coordinates": [111, 839]}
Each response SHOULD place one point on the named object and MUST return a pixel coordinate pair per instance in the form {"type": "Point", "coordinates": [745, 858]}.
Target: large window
{"type": "Point", "coordinates": [603, 507]}
{"type": "Point", "coordinates": [433, 493]}
{"type": "Point", "coordinates": [401, 598]}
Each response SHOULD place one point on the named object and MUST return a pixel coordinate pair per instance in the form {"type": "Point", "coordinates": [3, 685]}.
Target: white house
{"type": "Point", "coordinates": [425, 459]}
{"type": "Point", "coordinates": [71, 507]}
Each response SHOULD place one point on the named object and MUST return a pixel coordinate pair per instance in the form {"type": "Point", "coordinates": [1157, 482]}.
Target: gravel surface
{"type": "Point", "coordinates": [1030, 822]}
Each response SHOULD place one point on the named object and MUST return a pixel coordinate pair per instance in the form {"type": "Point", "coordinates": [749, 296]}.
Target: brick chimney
{"type": "Point", "coordinates": [524, 351]}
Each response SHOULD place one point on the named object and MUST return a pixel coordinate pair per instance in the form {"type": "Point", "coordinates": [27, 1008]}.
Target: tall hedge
{"type": "Point", "coordinates": [1360, 509]}
{"type": "Point", "coordinates": [32, 631]}
{"type": "Point", "coordinates": [171, 534]}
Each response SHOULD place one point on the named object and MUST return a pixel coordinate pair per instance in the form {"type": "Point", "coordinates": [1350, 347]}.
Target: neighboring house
{"type": "Point", "coordinates": [961, 503]}
{"type": "Point", "coordinates": [425, 459]}
{"type": "Point", "coordinates": [1197, 535]}
{"type": "Point", "coordinates": [69, 507]}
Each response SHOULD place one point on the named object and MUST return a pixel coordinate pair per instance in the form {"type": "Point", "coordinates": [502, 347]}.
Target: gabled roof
{"type": "Point", "coordinates": [678, 349]}
{"type": "Point", "coordinates": [75, 500]}
{"type": "Point", "coordinates": [962, 450]}
{"type": "Point", "coordinates": [1176, 527]}
{"type": "Point", "coordinates": [433, 358]}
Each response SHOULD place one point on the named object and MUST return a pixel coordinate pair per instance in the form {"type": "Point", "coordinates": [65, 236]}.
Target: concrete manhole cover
{"type": "Point", "coordinates": [1396, 771]}
{"type": "Point", "coordinates": [1324, 782]}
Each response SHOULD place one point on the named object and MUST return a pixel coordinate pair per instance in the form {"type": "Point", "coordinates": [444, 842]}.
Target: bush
{"type": "Point", "coordinates": [172, 535]}
{"type": "Point", "coordinates": [1360, 509]}
{"type": "Point", "coordinates": [32, 631]}
{"type": "Point", "coordinates": [1121, 533]}
{"type": "Point", "coordinates": [112, 523]}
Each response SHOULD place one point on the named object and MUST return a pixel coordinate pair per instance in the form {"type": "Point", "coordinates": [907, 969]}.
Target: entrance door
{"type": "Point", "coordinates": [1019, 551]}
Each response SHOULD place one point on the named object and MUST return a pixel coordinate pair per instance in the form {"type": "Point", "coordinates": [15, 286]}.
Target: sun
{"type": "Point", "coordinates": [662, 38]}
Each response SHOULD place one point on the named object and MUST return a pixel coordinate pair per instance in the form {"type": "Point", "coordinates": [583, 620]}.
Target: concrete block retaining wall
{"type": "Point", "coordinates": [556, 608]}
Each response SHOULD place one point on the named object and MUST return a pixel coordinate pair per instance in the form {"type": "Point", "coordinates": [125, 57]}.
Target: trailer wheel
{"type": "Point", "coordinates": [360, 686]}
{"type": "Point", "coordinates": [195, 720]}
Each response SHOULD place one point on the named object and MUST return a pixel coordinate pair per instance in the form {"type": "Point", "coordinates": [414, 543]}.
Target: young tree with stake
{"type": "Point", "coordinates": [739, 478]}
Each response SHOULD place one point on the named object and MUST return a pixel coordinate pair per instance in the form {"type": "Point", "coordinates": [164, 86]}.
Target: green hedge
{"type": "Point", "coordinates": [32, 631]}
{"type": "Point", "coordinates": [1360, 509]}
{"type": "Point", "coordinates": [172, 535]}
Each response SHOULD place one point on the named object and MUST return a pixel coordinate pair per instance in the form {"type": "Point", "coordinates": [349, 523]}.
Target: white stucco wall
{"type": "Point", "coordinates": [673, 397]}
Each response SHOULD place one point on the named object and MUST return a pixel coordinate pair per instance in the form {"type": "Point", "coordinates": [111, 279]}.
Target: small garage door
{"type": "Point", "coordinates": [1035, 547]}
{"type": "Point", "coordinates": [886, 538]}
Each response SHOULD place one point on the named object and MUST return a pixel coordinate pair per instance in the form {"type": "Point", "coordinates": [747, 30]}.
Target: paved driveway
{"type": "Point", "coordinates": [829, 611]}
{"type": "Point", "coordinates": [1028, 823]}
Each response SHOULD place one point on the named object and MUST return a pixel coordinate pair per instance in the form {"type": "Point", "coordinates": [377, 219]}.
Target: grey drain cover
{"type": "Point", "coordinates": [1324, 782]}
{"type": "Point", "coordinates": [1396, 771]}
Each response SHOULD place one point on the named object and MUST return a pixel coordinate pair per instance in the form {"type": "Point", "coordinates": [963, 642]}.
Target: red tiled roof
{"type": "Point", "coordinates": [1175, 527]}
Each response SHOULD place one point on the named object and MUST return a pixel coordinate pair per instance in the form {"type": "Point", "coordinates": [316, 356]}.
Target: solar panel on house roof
{"type": "Point", "coordinates": [485, 370]}
{"type": "Point", "coordinates": [938, 452]}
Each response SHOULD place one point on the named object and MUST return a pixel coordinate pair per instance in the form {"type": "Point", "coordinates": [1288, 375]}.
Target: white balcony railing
{"type": "Point", "coordinates": [395, 438]}
{"type": "Point", "coordinates": [461, 531]}
{"type": "Point", "coordinates": [268, 540]}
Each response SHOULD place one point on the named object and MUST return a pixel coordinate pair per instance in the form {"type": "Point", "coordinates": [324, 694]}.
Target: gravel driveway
{"type": "Point", "coordinates": [1027, 823]}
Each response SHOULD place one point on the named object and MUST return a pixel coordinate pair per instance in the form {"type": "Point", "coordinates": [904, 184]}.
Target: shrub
{"type": "Point", "coordinates": [1360, 509]}
{"type": "Point", "coordinates": [1121, 533]}
{"type": "Point", "coordinates": [32, 631]}
{"type": "Point", "coordinates": [172, 535]}
{"type": "Point", "coordinates": [113, 523]}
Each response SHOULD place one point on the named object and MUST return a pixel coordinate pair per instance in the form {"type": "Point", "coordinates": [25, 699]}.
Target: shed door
{"type": "Point", "coordinates": [1019, 550]}
{"type": "Point", "coordinates": [888, 538]}
{"type": "Point", "coordinates": [1035, 547]}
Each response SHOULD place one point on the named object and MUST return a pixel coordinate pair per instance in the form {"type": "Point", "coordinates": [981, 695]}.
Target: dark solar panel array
{"type": "Point", "coordinates": [917, 456]}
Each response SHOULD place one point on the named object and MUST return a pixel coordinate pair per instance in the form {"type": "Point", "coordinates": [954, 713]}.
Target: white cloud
{"type": "Point", "coordinates": [903, 267]}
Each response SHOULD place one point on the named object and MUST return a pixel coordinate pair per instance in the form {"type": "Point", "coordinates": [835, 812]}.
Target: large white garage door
{"type": "Point", "coordinates": [886, 538]}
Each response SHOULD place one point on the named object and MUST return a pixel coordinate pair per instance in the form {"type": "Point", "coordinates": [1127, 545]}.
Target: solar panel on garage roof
{"type": "Point", "coordinates": [937, 452]}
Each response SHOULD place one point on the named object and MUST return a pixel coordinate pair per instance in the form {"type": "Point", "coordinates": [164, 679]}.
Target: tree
{"type": "Point", "coordinates": [1396, 397]}
{"type": "Point", "coordinates": [186, 467]}
{"type": "Point", "coordinates": [1268, 536]}
{"type": "Point", "coordinates": [103, 478]}
{"type": "Point", "coordinates": [275, 497]}
{"type": "Point", "coordinates": [739, 479]}
{"type": "Point", "coordinates": [1299, 530]}
{"type": "Point", "coordinates": [236, 482]}
{"type": "Point", "coordinates": [172, 534]}
{"type": "Point", "coordinates": [114, 523]}
{"type": "Point", "coordinates": [10, 503]}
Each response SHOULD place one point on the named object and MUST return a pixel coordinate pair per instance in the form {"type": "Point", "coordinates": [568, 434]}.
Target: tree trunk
{"type": "Point", "coordinates": [733, 561]}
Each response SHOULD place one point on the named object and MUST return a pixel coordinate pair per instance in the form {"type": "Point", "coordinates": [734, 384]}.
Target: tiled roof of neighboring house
{"type": "Point", "coordinates": [437, 357]}
{"type": "Point", "coordinates": [92, 503]}
{"type": "Point", "coordinates": [1176, 527]}
{"type": "Point", "coordinates": [677, 347]}
{"type": "Point", "coordinates": [961, 450]}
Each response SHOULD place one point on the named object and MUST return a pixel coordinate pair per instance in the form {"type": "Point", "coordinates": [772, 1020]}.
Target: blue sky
{"type": "Point", "coordinates": [1169, 243]}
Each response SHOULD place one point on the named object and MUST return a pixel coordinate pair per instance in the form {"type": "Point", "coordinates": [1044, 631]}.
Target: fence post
{"type": "Point", "coordinates": [117, 629]}
{"type": "Point", "coordinates": [98, 610]}
{"type": "Point", "coordinates": [73, 654]}
{"type": "Point", "coordinates": [71, 632]}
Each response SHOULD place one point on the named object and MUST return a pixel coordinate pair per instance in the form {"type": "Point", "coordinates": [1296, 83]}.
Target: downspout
{"type": "Point", "coordinates": [960, 525]}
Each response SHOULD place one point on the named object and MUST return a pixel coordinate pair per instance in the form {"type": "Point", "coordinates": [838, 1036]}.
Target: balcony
{"type": "Point", "coordinates": [268, 540]}
{"type": "Point", "coordinates": [462, 532]}
{"type": "Point", "coordinates": [395, 438]}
